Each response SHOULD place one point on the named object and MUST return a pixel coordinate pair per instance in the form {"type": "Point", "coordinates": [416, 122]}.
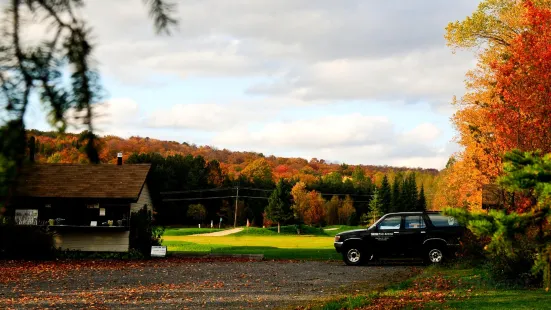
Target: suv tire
{"type": "Point", "coordinates": [435, 255]}
{"type": "Point", "coordinates": [353, 255]}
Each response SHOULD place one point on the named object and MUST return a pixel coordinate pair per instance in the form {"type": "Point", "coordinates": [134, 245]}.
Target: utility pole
{"type": "Point", "coordinates": [235, 215]}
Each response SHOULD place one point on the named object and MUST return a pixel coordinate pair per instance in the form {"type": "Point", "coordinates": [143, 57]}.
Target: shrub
{"type": "Point", "coordinates": [197, 211]}
{"type": "Point", "coordinates": [143, 234]}
{"type": "Point", "coordinates": [26, 242]}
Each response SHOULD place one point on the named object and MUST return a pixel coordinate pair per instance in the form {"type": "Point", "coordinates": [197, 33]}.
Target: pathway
{"type": "Point", "coordinates": [221, 233]}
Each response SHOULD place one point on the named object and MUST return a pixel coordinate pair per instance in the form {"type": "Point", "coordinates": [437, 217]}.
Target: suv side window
{"type": "Point", "coordinates": [439, 220]}
{"type": "Point", "coordinates": [392, 222]}
{"type": "Point", "coordinates": [414, 222]}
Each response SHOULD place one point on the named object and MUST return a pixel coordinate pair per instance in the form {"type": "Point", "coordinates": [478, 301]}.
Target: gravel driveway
{"type": "Point", "coordinates": [183, 283]}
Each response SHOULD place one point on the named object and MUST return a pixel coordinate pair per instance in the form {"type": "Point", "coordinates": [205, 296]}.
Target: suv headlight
{"type": "Point", "coordinates": [337, 238]}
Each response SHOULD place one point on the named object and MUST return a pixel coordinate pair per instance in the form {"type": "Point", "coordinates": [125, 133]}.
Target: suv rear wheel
{"type": "Point", "coordinates": [353, 256]}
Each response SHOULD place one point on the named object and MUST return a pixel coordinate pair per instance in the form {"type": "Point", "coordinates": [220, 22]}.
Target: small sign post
{"type": "Point", "coordinates": [220, 223]}
{"type": "Point", "coordinates": [158, 251]}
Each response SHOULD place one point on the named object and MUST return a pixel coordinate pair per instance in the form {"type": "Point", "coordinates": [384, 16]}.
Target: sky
{"type": "Point", "coordinates": [353, 81]}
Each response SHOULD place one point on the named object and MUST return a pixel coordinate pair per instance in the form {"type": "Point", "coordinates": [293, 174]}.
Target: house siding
{"type": "Point", "coordinates": [144, 198]}
{"type": "Point", "coordinates": [117, 241]}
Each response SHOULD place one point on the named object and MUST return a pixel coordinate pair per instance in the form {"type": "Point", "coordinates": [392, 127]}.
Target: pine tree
{"type": "Point", "coordinates": [279, 207]}
{"type": "Point", "coordinates": [385, 195]}
{"type": "Point", "coordinates": [375, 207]}
{"type": "Point", "coordinates": [411, 192]}
{"type": "Point", "coordinates": [520, 233]}
{"type": "Point", "coordinates": [422, 201]}
{"type": "Point", "coordinates": [397, 189]}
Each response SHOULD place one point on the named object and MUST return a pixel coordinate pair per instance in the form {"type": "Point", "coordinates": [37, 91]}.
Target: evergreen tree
{"type": "Point", "coordinates": [422, 201]}
{"type": "Point", "coordinates": [385, 195]}
{"type": "Point", "coordinates": [396, 198]}
{"type": "Point", "coordinates": [516, 235]}
{"type": "Point", "coordinates": [411, 195]}
{"type": "Point", "coordinates": [375, 207]}
{"type": "Point", "coordinates": [279, 207]}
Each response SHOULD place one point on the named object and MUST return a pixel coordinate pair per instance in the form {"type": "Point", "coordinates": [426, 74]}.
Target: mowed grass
{"type": "Point", "coordinates": [171, 231]}
{"type": "Point", "coordinates": [473, 285]}
{"type": "Point", "coordinates": [284, 230]}
{"type": "Point", "coordinates": [272, 246]}
{"type": "Point", "coordinates": [331, 231]}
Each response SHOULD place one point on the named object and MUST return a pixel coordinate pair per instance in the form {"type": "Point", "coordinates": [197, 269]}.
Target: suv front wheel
{"type": "Point", "coordinates": [353, 256]}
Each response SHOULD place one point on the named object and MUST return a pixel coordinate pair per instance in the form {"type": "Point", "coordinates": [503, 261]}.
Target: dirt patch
{"type": "Point", "coordinates": [184, 283]}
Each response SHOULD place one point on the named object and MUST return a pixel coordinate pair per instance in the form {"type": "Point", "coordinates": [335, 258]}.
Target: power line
{"type": "Point", "coordinates": [197, 190]}
{"type": "Point", "coordinates": [219, 197]}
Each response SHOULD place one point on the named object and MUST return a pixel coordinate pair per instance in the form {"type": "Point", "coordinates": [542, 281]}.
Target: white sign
{"type": "Point", "coordinates": [158, 251]}
{"type": "Point", "coordinates": [94, 223]}
{"type": "Point", "coordinates": [26, 217]}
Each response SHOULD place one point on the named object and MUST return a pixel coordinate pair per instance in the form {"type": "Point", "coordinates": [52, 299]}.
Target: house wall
{"type": "Point", "coordinates": [145, 198]}
{"type": "Point", "coordinates": [99, 241]}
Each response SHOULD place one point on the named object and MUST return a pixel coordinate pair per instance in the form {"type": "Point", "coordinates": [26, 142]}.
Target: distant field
{"type": "Point", "coordinates": [312, 243]}
{"type": "Point", "coordinates": [272, 246]}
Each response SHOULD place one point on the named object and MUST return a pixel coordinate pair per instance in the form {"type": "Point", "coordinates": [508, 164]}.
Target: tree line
{"type": "Point", "coordinates": [178, 181]}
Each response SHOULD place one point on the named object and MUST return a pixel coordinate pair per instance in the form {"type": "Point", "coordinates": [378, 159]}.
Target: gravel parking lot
{"type": "Point", "coordinates": [183, 283]}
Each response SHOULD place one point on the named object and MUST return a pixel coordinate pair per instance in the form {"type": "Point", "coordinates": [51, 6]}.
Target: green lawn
{"type": "Point", "coordinates": [331, 231]}
{"type": "Point", "coordinates": [272, 246]}
{"type": "Point", "coordinates": [170, 231]}
{"type": "Point", "coordinates": [450, 288]}
{"type": "Point", "coordinates": [284, 230]}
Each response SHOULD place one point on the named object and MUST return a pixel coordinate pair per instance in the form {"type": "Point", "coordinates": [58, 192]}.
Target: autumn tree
{"type": "Point", "coordinates": [346, 211]}
{"type": "Point", "coordinates": [487, 123]}
{"type": "Point", "coordinates": [332, 210]}
{"type": "Point", "coordinates": [315, 214]}
{"type": "Point", "coordinates": [279, 205]}
{"type": "Point", "coordinates": [301, 201]}
{"type": "Point", "coordinates": [258, 171]}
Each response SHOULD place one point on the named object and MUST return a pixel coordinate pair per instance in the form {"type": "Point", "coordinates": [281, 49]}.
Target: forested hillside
{"type": "Point", "coordinates": [184, 174]}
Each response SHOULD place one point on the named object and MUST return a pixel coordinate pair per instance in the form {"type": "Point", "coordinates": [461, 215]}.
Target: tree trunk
{"type": "Point", "coordinates": [278, 228]}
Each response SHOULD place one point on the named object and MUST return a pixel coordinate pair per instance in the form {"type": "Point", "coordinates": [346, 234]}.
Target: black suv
{"type": "Point", "coordinates": [429, 235]}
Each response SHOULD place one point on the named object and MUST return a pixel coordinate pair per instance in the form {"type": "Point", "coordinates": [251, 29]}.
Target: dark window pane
{"type": "Point", "coordinates": [414, 222]}
{"type": "Point", "coordinates": [440, 220]}
{"type": "Point", "coordinates": [391, 223]}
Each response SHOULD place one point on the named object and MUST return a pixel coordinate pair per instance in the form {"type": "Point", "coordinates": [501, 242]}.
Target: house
{"type": "Point", "coordinates": [88, 206]}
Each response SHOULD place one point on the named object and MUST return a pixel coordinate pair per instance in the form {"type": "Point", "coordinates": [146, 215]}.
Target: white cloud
{"type": "Point", "coordinates": [352, 138]}
{"type": "Point", "coordinates": [331, 50]}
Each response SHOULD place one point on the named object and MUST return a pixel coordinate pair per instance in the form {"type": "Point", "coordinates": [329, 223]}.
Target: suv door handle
{"type": "Point", "coordinates": [423, 232]}
{"type": "Point", "coordinates": [396, 232]}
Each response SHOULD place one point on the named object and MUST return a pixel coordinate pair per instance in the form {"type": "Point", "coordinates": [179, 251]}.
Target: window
{"type": "Point", "coordinates": [414, 222]}
{"type": "Point", "coordinates": [391, 223]}
{"type": "Point", "coordinates": [440, 220]}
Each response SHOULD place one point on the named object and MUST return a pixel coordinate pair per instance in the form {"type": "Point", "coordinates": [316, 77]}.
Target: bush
{"type": "Point", "coordinates": [143, 234]}
{"type": "Point", "coordinates": [26, 242]}
{"type": "Point", "coordinates": [515, 270]}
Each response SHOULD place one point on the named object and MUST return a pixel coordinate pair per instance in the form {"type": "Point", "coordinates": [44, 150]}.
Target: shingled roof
{"type": "Point", "coordinates": [82, 181]}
